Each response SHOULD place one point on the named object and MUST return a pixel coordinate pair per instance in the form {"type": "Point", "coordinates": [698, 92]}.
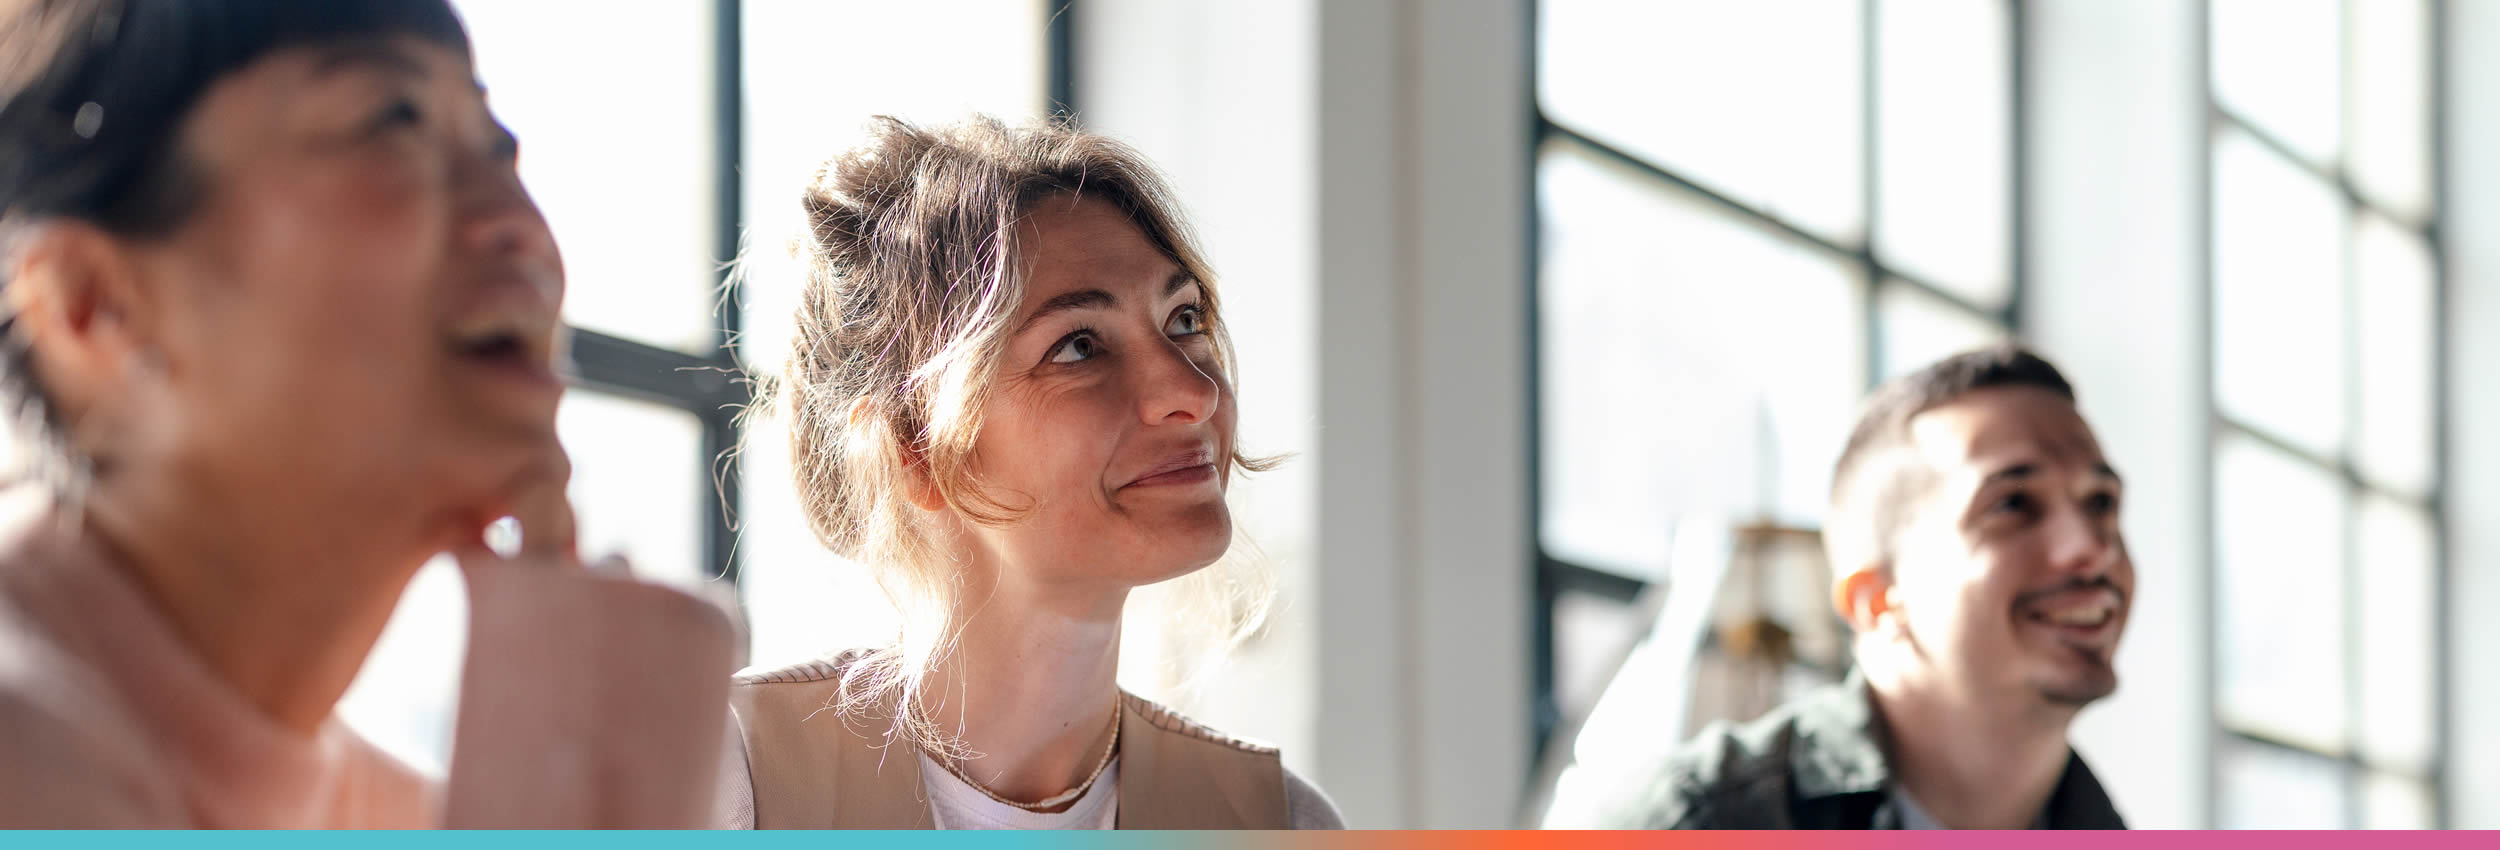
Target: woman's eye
{"type": "Point", "coordinates": [2013, 503]}
{"type": "Point", "coordinates": [1188, 321]}
{"type": "Point", "coordinates": [1076, 347]}
{"type": "Point", "coordinates": [2101, 503]}
{"type": "Point", "coordinates": [402, 112]}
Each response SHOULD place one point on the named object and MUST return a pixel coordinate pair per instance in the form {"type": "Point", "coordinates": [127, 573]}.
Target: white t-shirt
{"type": "Point", "coordinates": [1912, 817]}
{"type": "Point", "coordinates": [957, 805]}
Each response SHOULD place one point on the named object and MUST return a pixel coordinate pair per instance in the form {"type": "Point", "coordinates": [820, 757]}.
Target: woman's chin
{"type": "Point", "coordinates": [1186, 552]}
{"type": "Point", "coordinates": [473, 492]}
{"type": "Point", "coordinates": [458, 525]}
{"type": "Point", "coordinates": [1187, 569]}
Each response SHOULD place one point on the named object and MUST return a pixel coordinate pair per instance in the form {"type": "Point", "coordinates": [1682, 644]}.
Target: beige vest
{"type": "Point", "coordinates": [815, 768]}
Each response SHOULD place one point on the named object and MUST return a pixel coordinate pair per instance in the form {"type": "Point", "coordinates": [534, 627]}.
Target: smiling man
{"type": "Point", "coordinates": [1975, 539]}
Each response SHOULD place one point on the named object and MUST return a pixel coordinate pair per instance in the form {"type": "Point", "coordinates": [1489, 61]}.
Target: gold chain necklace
{"type": "Point", "coordinates": [1056, 800]}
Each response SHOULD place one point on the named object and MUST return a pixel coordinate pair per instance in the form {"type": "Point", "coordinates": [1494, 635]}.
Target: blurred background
{"type": "Point", "coordinates": [1562, 307]}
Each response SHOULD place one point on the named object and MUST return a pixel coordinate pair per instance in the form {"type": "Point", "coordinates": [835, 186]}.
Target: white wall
{"type": "Point", "coordinates": [2116, 299]}
{"type": "Point", "coordinates": [1359, 170]}
{"type": "Point", "coordinates": [1464, 261]}
{"type": "Point", "coordinates": [1366, 621]}
{"type": "Point", "coordinates": [2473, 245]}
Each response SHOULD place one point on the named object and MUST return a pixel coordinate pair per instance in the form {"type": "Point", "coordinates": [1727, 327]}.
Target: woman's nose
{"type": "Point", "coordinates": [1178, 389]}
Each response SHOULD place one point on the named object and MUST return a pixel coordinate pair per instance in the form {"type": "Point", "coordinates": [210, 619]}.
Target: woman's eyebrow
{"type": "Point", "coordinates": [370, 55]}
{"type": "Point", "coordinates": [1083, 299]}
{"type": "Point", "coordinates": [1096, 299]}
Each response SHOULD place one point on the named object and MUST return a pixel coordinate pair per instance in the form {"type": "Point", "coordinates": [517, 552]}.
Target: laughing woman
{"type": "Point", "coordinates": [1009, 398]}
{"type": "Point", "coordinates": [280, 326]}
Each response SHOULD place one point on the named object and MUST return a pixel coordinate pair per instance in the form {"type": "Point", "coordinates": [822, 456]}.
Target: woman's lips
{"type": "Point", "coordinates": [1194, 466]}
{"type": "Point", "coordinates": [511, 358]}
{"type": "Point", "coordinates": [1185, 475]}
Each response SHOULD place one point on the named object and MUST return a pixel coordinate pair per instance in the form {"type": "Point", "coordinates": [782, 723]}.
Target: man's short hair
{"type": "Point", "coordinates": [1875, 486]}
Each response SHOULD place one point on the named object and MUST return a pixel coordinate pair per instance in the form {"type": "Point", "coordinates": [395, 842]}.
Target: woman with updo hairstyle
{"type": "Point", "coordinates": [278, 324]}
{"type": "Point", "coordinates": [1009, 398]}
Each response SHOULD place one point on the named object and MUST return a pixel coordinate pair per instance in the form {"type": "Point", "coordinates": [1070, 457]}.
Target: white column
{"type": "Point", "coordinates": [2116, 300]}
{"type": "Point", "coordinates": [1367, 699]}
{"type": "Point", "coordinates": [1465, 155]}
{"type": "Point", "coordinates": [2473, 245]}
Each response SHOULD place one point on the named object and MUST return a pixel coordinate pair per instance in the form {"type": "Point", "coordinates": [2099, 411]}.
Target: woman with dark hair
{"type": "Point", "coordinates": [281, 325]}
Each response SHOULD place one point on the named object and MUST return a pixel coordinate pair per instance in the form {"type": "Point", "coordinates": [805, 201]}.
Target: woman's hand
{"type": "Point", "coordinates": [545, 518]}
{"type": "Point", "coordinates": [589, 700]}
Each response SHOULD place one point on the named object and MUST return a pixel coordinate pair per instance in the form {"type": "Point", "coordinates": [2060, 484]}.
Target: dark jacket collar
{"type": "Point", "coordinates": [1840, 743]}
{"type": "Point", "coordinates": [1840, 751]}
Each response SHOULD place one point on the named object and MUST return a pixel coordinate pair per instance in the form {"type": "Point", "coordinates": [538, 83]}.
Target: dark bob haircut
{"type": "Point", "coordinates": [93, 98]}
{"type": "Point", "coordinates": [93, 93]}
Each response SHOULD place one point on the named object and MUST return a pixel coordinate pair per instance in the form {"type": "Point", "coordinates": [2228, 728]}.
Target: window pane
{"type": "Point", "coordinates": [2266, 787]}
{"type": "Point", "coordinates": [2388, 103]}
{"type": "Point", "coordinates": [614, 113]}
{"type": "Point", "coordinates": [2396, 802]}
{"type": "Point", "coordinates": [1919, 329]}
{"type": "Point", "coordinates": [2279, 575]}
{"type": "Point", "coordinates": [1757, 100]}
{"type": "Point", "coordinates": [1591, 636]}
{"type": "Point", "coordinates": [2278, 63]}
{"type": "Point", "coordinates": [1640, 713]}
{"type": "Point", "coordinates": [801, 600]}
{"type": "Point", "coordinates": [1693, 363]}
{"type": "Point", "coordinates": [818, 70]}
{"type": "Point", "coordinates": [2398, 645]}
{"type": "Point", "coordinates": [639, 488]}
{"type": "Point", "coordinates": [1945, 141]}
{"type": "Point", "coordinates": [2396, 327]}
{"type": "Point", "coordinates": [2278, 296]}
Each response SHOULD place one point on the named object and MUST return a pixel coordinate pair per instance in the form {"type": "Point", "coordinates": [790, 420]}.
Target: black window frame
{"type": "Point", "coordinates": [1553, 575]}
{"type": "Point", "coordinates": [712, 387]}
{"type": "Point", "coordinates": [2353, 487]}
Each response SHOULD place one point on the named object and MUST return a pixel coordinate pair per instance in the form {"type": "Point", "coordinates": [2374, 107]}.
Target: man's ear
{"type": "Point", "coordinates": [1863, 595]}
{"type": "Point", "coordinates": [74, 294]}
